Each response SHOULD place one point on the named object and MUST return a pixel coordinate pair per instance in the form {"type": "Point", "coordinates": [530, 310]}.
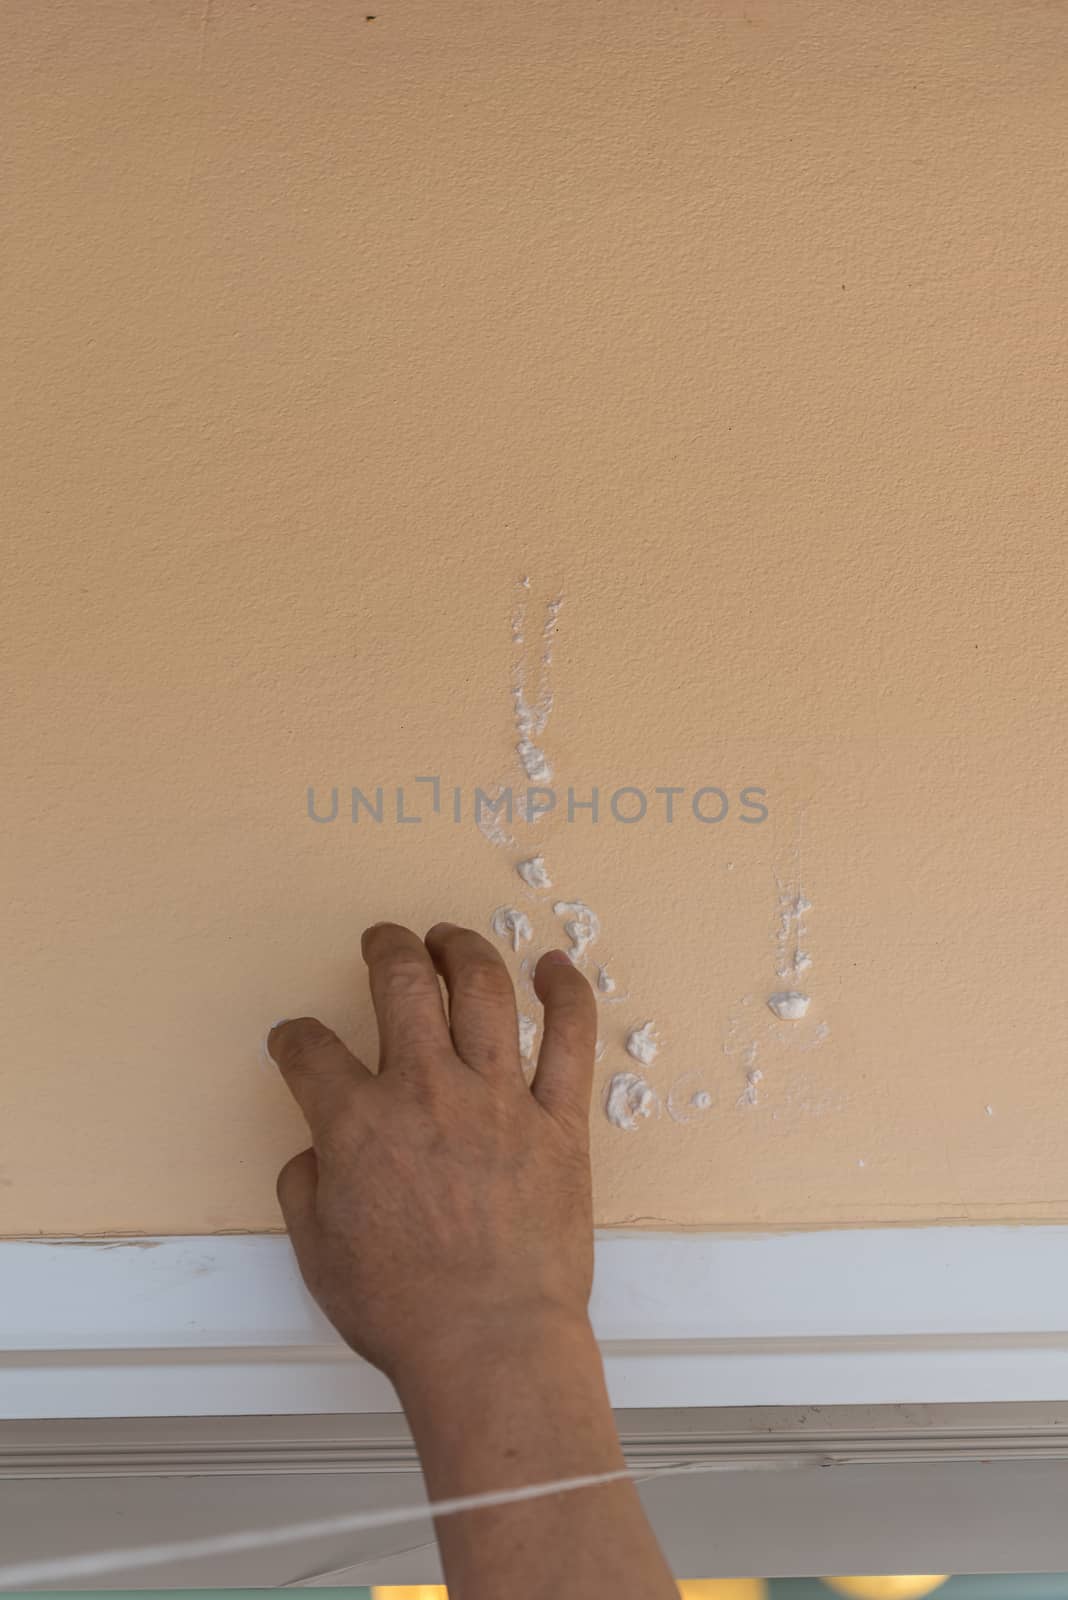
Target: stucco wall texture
{"type": "Point", "coordinates": [741, 327]}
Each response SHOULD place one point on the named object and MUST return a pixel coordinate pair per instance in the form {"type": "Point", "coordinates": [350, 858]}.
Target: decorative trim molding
{"type": "Point", "coordinates": [222, 1325]}
{"type": "Point", "coordinates": [733, 1438]}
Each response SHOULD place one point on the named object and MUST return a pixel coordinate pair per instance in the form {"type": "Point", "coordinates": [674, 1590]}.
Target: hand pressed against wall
{"type": "Point", "coordinates": [443, 1219]}
{"type": "Point", "coordinates": [443, 1195]}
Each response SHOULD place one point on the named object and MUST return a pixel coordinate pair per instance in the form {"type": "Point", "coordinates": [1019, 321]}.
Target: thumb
{"type": "Point", "coordinates": [563, 1081]}
{"type": "Point", "coordinates": [297, 1186]}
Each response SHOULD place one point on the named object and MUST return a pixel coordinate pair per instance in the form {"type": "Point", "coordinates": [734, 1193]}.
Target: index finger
{"type": "Point", "coordinates": [321, 1072]}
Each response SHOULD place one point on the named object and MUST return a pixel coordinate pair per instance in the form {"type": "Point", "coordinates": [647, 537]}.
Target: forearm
{"type": "Point", "coordinates": [508, 1412]}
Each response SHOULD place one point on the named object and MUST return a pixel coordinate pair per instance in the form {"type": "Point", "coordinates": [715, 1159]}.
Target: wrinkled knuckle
{"type": "Point", "coordinates": [485, 977]}
{"type": "Point", "coordinates": [403, 976]}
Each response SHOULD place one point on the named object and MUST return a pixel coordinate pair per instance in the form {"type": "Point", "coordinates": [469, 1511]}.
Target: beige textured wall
{"type": "Point", "coordinates": [738, 325]}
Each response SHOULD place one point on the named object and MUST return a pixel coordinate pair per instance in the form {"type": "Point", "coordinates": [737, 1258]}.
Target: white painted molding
{"type": "Point", "coordinates": [792, 1490]}
{"type": "Point", "coordinates": [222, 1325]}
{"type": "Point", "coordinates": [731, 1438]}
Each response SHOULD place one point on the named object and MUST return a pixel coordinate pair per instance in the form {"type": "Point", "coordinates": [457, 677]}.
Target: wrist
{"type": "Point", "coordinates": [448, 1359]}
{"type": "Point", "coordinates": [510, 1404]}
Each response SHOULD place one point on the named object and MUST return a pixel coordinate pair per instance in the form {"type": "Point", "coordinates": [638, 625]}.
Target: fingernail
{"type": "Point", "coordinates": [560, 957]}
{"type": "Point", "coordinates": [267, 1056]}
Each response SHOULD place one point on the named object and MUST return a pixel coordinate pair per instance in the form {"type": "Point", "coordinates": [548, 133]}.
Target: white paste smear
{"type": "Point", "coordinates": [629, 1097]}
{"type": "Point", "coordinates": [528, 1033]}
{"type": "Point", "coordinates": [534, 761]}
{"type": "Point", "coordinates": [513, 925]}
{"type": "Point", "coordinates": [489, 823]}
{"type": "Point", "coordinates": [526, 981]}
{"type": "Point", "coordinates": [534, 873]}
{"type": "Point", "coordinates": [822, 1032]}
{"type": "Point", "coordinates": [789, 1004]}
{"type": "Point", "coordinates": [700, 1101]}
{"type": "Point", "coordinates": [531, 719]}
{"type": "Point", "coordinates": [753, 1079]}
{"type": "Point", "coordinates": [792, 908]}
{"type": "Point", "coordinates": [581, 925]}
{"type": "Point", "coordinates": [642, 1043]}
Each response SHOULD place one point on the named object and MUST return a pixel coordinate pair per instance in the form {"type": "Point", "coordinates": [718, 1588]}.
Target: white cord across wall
{"type": "Point", "coordinates": [105, 1563]}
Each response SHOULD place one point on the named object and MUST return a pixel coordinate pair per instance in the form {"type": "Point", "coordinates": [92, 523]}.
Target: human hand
{"type": "Point", "coordinates": [443, 1202]}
